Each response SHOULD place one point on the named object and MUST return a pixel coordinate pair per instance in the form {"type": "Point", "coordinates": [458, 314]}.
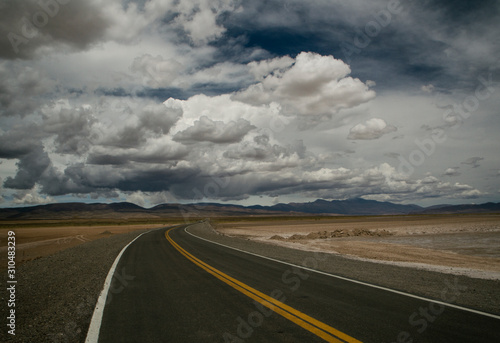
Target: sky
{"type": "Point", "coordinates": [249, 102]}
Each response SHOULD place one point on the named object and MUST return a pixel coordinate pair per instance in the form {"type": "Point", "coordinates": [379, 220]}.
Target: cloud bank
{"type": "Point", "coordinates": [154, 101]}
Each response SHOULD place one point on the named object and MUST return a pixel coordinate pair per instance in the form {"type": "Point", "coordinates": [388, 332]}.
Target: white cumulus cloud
{"type": "Point", "coordinates": [314, 85]}
{"type": "Point", "coordinates": [372, 129]}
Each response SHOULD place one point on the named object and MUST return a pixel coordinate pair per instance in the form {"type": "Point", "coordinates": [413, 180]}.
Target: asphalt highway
{"type": "Point", "coordinates": [172, 287]}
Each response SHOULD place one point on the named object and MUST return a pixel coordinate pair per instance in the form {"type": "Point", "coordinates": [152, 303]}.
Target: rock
{"type": "Point", "coordinates": [277, 238]}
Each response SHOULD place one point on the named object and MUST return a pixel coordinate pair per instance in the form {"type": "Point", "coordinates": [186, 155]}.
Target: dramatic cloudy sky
{"type": "Point", "coordinates": [249, 102]}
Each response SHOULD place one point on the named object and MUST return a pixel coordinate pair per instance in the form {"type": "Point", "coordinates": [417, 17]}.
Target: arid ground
{"type": "Point", "coordinates": [34, 241]}
{"type": "Point", "coordinates": [457, 244]}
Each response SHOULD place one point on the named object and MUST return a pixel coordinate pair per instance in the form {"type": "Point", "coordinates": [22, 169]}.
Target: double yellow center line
{"type": "Point", "coordinates": [318, 328]}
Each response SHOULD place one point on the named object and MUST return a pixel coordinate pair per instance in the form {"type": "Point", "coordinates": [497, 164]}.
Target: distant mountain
{"type": "Point", "coordinates": [73, 210]}
{"type": "Point", "coordinates": [124, 210]}
{"type": "Point", "coordinates": [356, 206]}
{"type": "Point", "coordinates": [489, 207]}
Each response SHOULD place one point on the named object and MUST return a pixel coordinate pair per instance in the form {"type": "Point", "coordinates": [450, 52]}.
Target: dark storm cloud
{"type": "Point", "coordinates": [464, 11]}
{"type": "Point", "coordinates": [29, 169]}
{"type": "Point", "coordinates": [108, 159]}
{"type": "Point", "coordinates": [440, 41]}
{"type": "Point", "coordinates": [23, 88]}
{"type": "Point", "coordinates": [28, 25]}
{"type": "Point", "coordinates": [261, 150]}
{"type": "Point", "coordinates": [156, 180]}
{"type": "Point", "coordinates": [452, 42]}
{"type": "Point", "coordinates": [128, 137]}
{"type": "Point", "coordinates": [324, 183]}
{"type": "Point", "coordinates": [19, 142]}
{"type": "Point", "coordinates": [161, 155]}
{"type": "Point", "coordinates": [86, 179]}
{"type": "Point", "coordinates": [72, 129]}
{"type": "Point", "coordinates": [153, 121]}
{"type": "Point", "coordinates": [36, 168]}
{"type": "Point", "coordinates": [159, 119]}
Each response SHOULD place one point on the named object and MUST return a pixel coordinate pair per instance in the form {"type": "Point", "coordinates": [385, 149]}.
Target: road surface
{"type": "Point", "coordinates": [170, 286]}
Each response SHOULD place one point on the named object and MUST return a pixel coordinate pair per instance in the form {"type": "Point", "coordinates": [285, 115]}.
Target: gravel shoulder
{"type": "Point", "coordinates": [56, 294]}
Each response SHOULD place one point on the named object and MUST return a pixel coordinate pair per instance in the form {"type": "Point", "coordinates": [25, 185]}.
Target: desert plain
{"type": "Point", "coordinates": [466, 244]}
{"type": "Point", "coordinates": [35, 239]}
{"type": "Point", "coordinates": [456, 244]}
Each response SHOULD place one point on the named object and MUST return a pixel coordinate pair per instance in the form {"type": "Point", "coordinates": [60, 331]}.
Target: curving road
{"type": "Point", "coordinates": [170, 286]}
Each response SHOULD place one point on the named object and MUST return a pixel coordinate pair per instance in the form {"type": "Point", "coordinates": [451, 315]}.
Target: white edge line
{"type": "Point", "coordinates": [95, 323]}
{"type": "Point", "coordinates": [351, 280]}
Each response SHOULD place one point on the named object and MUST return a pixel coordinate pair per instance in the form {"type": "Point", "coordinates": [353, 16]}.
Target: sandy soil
{"type": "Point", "coordinates": [33, 243]}
{"type": "Point", "coordinates": [464, 245]}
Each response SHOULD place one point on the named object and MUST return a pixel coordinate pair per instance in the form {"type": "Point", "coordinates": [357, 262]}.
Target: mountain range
{"type": "Point", "coordinates": [126, 210]}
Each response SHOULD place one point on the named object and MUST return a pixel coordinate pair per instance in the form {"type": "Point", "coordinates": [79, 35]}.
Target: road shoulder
{"type": "Point", "coordinates": [56, 294]}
